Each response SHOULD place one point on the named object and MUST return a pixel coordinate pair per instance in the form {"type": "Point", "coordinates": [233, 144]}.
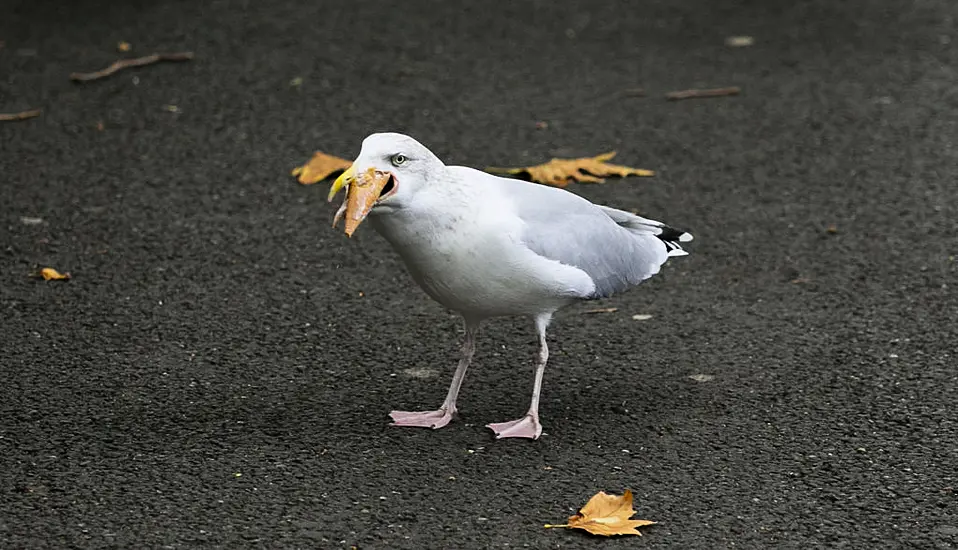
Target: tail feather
{"type": "Point", "coordinates": [670, 236]}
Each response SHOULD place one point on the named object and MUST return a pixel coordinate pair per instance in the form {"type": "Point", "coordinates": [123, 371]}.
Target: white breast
{"type": "Point", "coordinates": [469, 258]}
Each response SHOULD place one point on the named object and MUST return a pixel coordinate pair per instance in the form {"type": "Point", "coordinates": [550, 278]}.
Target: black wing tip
{"type": "Point", "coordinates": [673, 234]}
{"type": "Point", "coordinates": [672, 238]}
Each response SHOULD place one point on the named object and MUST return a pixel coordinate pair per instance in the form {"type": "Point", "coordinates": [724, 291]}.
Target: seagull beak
{"type": "Point", "coordinates": [362, 192]}
{"type": "Point", "coordinates": [342, 181]}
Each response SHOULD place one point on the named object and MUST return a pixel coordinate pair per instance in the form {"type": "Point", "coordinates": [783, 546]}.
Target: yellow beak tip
{"type": "Point", "coordinates": [342, 181]}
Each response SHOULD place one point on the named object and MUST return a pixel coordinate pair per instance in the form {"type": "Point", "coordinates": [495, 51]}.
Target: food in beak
{"type": "Point", "coordinates": [362, 192]}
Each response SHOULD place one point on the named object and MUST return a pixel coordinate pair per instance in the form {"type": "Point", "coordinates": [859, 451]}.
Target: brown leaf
{"type": "Point", "coordinates": [320, 167]}
{"type": "Point", "coordinates": [607, 515]}
{"type": "Point", "coordinates": [50, 274]}
{"type": "Point", "coordinates": [123, 46]}
{"type": "Point", "coordinates": [562, 172]}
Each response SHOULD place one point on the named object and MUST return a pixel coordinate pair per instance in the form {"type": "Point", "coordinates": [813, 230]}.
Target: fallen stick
{"type": "Point", "coordinates": [135, 62]}
{"type": "Point", "coordinates": [23, 115]}
{"type": "Point", "coordinates": [713, 92]}
{"type": "Point", "coordinates": [602, 310]}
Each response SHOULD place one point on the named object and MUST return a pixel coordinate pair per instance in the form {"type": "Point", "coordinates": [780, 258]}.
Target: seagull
{"type": "Point", "coordinates": [486, 246]}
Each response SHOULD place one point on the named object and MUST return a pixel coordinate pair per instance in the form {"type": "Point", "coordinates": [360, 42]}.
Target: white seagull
{"type": "Point", "coordinates": [486, 246]}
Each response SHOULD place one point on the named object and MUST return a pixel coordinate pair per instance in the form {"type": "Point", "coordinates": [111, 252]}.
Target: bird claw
{"type": "Point", "coordinates": [528, 426]}
{"type": "Point", "coordinates": [422, 419]}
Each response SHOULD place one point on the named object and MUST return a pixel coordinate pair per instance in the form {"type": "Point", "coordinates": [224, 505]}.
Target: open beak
{"type": "Point", "coordinates": [362, 193]}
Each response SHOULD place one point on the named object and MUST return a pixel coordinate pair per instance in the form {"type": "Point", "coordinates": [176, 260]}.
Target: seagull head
{"type": "Point", "coordinates": [387, 173]}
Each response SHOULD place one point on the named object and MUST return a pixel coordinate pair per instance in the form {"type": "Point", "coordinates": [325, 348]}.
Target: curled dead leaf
{"type": "Point", "coordinates": [562, 172]}
{"type": "Point", "coordinates": [320, 167]}
{"type": "Point", "coordinates": [607, 515]}
{"type": "Point", "coordinates": [50, 274]}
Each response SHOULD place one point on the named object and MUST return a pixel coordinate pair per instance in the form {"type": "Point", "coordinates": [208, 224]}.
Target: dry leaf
{"type": "Point", "coordinates": [123, 46]}
{"type": "Point", "coordinates": [320, 167]}
{"type": "Point", "coordinates": [50, 274]}
{"type": "Point", "coordinates": [562, 172]}
{"type": "Point", "coordinates": [607, 515]}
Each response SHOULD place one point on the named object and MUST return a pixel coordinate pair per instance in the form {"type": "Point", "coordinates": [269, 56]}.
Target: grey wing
{"type": "Point", "coordinates": [616, 249]}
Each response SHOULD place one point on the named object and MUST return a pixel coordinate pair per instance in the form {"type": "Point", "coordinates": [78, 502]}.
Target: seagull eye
{"type": "Point", "coordinates": [398, 159]}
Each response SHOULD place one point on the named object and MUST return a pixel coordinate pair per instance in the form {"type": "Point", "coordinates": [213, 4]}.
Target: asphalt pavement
{"type": "Point", "coordinates": [217, 372]}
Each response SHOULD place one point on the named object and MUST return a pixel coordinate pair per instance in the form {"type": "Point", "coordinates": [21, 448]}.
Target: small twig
{"type": "Point", "coordinates": [713, 92]}
{"type": "Point", "coordinates": [23, 115]}
{"type": "Point", "coordinates": [602, 310]}
{"type": "Point", "coordinates": [121, 64]}
{"type": "Point", "coordinates": [633, 92]}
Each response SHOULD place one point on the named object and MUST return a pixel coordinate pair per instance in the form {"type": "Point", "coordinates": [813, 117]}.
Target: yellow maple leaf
{"type": "Point", "coordinates": [607, 515]}
{"type": "Point", "coordinates": [562, 172]}
{"type": "Point", "coordinates": [50, 274]}
{"type": "Point", "coordinates": [320, 167]}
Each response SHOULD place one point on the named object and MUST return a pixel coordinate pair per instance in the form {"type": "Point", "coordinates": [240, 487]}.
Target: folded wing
{"type": "Point", "coordinates": [616, 249]}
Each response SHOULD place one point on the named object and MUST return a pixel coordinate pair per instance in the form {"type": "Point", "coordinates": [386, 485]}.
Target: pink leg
{"type": "Point", "coordinates": [439, 418]}
{"type": "Point", "coordinates": [528, 426]}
